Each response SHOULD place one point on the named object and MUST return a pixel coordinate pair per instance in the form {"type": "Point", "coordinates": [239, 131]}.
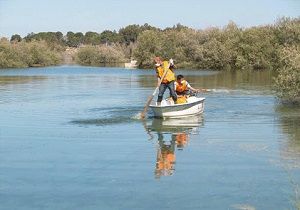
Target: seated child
{"type": "Point", "coordinates": [182, 87]}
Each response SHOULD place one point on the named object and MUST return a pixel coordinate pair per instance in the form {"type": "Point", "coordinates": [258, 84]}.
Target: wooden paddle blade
{"type": "Point", "coordinates": [143, 114]}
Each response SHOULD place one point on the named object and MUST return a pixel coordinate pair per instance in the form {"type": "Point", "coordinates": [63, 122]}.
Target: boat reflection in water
{"type": "Point", "coordinates": [172, 134]}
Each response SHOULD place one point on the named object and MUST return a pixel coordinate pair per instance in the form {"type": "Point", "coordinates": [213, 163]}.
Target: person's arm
{"type": "Point", "coordinates": [195, 89]}
{"type": "Point", "coordinates": [191, 88]}
{"type": "Point", "coordinates": [172, 65]}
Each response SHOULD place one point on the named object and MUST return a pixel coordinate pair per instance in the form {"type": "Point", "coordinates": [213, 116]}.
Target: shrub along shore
{"type": "Point", "coordinates": [275, 46]}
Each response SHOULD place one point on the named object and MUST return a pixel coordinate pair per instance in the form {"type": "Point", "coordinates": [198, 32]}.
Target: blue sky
{"type": "Point", "coordinates": [25, 16]}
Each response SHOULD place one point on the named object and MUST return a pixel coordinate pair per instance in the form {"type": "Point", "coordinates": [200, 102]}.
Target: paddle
{"type": "Point", "coordinates": [166, 68]}
{"type": "Point", "coordinates": [215, 90]}
{"type": "Point", "coordinates": [205, 90]}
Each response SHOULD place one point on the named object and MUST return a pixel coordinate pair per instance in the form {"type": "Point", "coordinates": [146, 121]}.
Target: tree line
{"type": "Point", "coordinates": [92, 48]}
{"type": "Point", "coordinates": [274, 46]}
{"type": "Point", "coordinates": [125, 35]}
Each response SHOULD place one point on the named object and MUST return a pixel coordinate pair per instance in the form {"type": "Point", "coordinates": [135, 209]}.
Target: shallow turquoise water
{"type": "Point", "coordinates": [69, 139]}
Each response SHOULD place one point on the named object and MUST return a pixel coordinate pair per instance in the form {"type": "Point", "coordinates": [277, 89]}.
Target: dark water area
{"type": "Point", "coordinates": [70, 138]}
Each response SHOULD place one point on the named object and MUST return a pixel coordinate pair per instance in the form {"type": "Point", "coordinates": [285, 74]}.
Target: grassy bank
{"type": "Point", "coordinates": [287, 84]}
{"type": "Point", "coordinates": [100, 55]}
{"type": "Point", "coordinates": [27, 54]}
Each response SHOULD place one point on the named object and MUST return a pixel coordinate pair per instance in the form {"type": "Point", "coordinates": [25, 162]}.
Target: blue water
{"type": "Point", "coordinates": [70, 138]}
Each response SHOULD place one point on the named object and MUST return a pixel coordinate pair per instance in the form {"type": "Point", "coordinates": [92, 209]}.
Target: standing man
{"type": "Point", "coordinates": [168, 80]}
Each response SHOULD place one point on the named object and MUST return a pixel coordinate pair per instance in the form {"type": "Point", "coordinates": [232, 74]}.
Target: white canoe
{"type": "Point", "coordinates": [168, 109]}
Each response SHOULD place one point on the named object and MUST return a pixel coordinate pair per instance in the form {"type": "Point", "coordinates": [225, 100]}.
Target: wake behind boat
{"type": "Point", "coordinates": [167, 109]}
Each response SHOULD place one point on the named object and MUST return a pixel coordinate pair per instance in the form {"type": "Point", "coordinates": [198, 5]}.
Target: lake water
{"type": "Point", "coordinates": [70, 139]}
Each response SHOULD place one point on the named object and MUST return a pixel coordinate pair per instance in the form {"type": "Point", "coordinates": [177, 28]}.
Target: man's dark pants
{"type": "Point", "coordinates": [162, 89]}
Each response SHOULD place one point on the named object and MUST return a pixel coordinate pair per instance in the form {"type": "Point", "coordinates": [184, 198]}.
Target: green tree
{"type": "Point", "coordinates": [9, 56]}
{"type": "Point", "coordinates": [147, 27]}
{"type": "Point", "coordinates": [256, 47]}
{"type": "Point", "coordinates": [148, 46]}
{"type": "Point", "coordinates": [53, 39]}
{"type": "Point", "coordinates": [16, 38]}
{"type": "Point", "coordinates": [130, 33]}
{"type": "Point", "coordinates": [92, 38]}
{"type": "Point", "coordinates": [74, 39]}
{"type": "Point", "coordinates": [177, 27]}
{"type": "Point", "coordinates": [29, 37]}
{"type": "Point", "coordinates": [287, 31]}
{"type": "Point", "coordinates": [109, 37]}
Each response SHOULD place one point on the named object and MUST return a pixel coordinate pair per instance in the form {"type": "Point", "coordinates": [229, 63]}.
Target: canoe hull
{"type": "Point", "coordinates": [194, 106]}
